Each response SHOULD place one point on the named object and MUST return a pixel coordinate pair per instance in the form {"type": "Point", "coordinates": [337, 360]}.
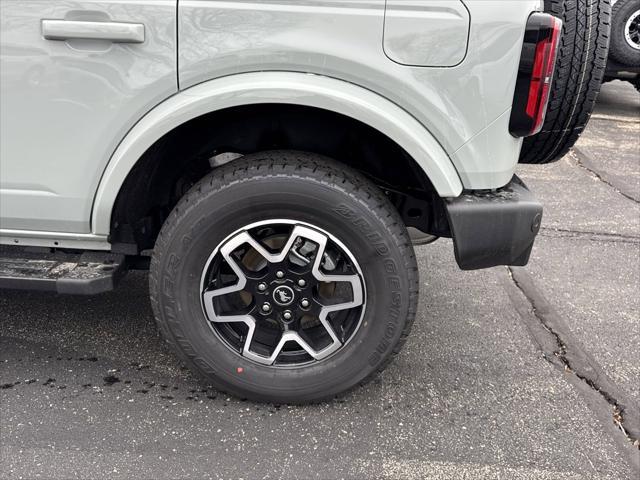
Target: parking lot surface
{"type": "Point", "coordinates": [526, 373]}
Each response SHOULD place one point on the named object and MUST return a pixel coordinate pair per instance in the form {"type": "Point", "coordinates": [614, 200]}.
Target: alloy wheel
{"type": "Point", "coordinates": [632, 30]}
{"type": "Point", "coordinates": [283, 293]}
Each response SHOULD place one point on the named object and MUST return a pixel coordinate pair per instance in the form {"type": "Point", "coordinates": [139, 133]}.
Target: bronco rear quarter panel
{"type": "Point", "coordinates": [461, 101]}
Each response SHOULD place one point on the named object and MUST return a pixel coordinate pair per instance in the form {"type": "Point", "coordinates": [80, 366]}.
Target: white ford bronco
{"type": "Point", "coordinates": [266, 159]}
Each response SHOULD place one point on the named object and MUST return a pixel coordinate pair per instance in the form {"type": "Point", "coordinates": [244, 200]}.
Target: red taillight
{"type": "Point", "coordinates": [535, 74]}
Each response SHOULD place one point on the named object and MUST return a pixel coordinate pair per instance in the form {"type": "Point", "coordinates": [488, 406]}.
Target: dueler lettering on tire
{"type": "Point", "coordinates": [284, 277]}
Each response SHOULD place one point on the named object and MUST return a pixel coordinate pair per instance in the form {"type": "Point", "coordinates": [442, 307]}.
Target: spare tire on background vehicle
{"type": "Point", "coordinates": [580, 68]}
{"type": "Point", "coordinates": [625, 32]}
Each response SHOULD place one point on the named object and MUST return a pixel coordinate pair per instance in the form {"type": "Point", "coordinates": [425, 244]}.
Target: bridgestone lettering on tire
{"type": "Point", "coordinates": [580, 68]}
{"type": "Point", "coordinates": [284, 277]}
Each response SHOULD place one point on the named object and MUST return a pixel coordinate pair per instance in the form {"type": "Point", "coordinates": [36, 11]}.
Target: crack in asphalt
{"type": "Point", "coordinates": [555, 232]}
{"type": "Point", "coordinates": [563, 351]}
{"type": "Point", "coordinates": [585, 162]}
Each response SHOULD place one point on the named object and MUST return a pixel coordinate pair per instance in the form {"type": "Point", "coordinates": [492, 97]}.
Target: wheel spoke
{"type": "Point", "coordinates": [289, 336]}
{"type": "Point", "coordinates": [356, 289]}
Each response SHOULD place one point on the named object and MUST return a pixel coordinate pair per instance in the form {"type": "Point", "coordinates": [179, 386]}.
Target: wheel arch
{"type": "Point", "coordinates": [249, 89]}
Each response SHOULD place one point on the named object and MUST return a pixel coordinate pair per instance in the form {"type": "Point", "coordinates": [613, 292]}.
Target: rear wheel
{"type": "Point", "coordinates": [580, 68]}
{"type": "Point", "coordinates": [284, 277]}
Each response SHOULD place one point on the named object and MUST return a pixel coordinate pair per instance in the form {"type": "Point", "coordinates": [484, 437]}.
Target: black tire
{"type": "Point", "coordinates": [305, 188]}
{"type": "Point", "coordinates": [580, 69]}
{"type": "Point", "coordinates": [620, 49]}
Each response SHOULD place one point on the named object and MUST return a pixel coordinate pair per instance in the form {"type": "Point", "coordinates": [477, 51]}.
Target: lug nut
{"type": "Point", "coordinates": [262, 287]}
{"type": "Point", "coordinates": [266, 307]}
{"type": "Point", "coordinates": [301, 282]}
{"type": "Point", "coordinates": [287, 315]}
{"type": "Point", "coordinates": [280, 274]}
{"type": "Point", "coordinates": [304, 303]}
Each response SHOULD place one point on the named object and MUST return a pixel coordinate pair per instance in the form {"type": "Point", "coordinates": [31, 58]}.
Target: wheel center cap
{"type": "Point", "coordinates": [283, 295]}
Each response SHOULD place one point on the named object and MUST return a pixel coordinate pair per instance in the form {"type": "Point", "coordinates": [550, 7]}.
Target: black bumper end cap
{"type": "Point", "coordinates": [494, 228]}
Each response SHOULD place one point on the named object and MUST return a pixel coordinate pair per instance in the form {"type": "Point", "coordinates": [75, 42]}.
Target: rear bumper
{"type": "Point", "coordinates": [494, 228]}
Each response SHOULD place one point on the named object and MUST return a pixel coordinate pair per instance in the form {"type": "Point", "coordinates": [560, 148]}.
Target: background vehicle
{"type": "Point", "coordinates": [264, 160]}
{"type": "Point", "coordinates": [579, 73]}
{"type": "Point", "coordinates": [624, 55]}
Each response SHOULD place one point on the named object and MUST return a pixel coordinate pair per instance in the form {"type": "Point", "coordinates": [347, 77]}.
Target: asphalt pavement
{"type": "Point", "coordinates": [529, 373]}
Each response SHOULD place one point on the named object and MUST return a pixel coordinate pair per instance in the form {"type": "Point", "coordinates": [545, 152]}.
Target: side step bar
{"type": "Point", "coordinates": [88, 273]}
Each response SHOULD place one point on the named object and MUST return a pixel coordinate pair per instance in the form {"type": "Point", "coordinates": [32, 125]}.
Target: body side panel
{"type": "Point", "coordinates": [449, 111]}
{"type": "Point", "coordinates": [490, 146]}
{"type": "Point", "coordinates": [65, 105]}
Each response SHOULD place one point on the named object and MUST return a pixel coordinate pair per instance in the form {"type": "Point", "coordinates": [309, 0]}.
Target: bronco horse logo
{"type": "Point", "coordinates": [283, 295]}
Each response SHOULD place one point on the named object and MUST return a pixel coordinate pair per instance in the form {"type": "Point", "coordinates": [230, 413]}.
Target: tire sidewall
{"type": "Point", "coordinates": [222, 211]}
